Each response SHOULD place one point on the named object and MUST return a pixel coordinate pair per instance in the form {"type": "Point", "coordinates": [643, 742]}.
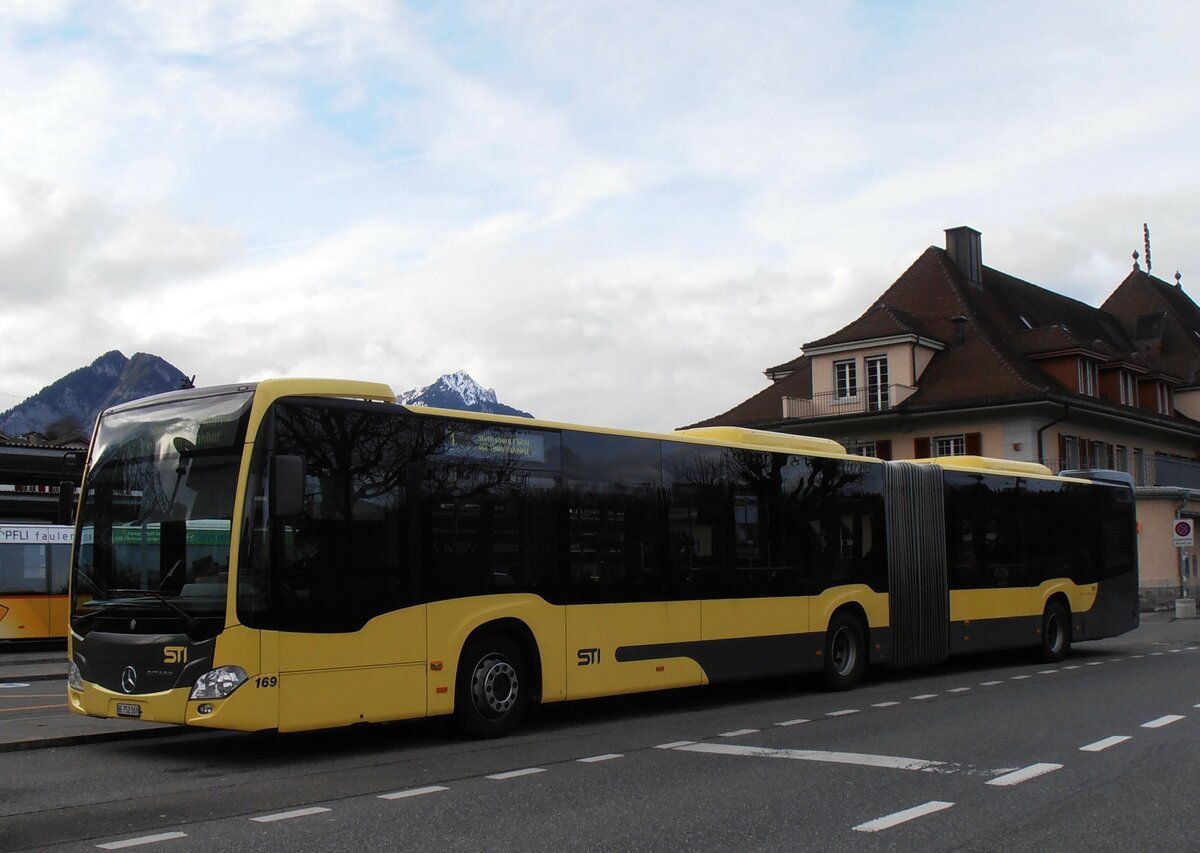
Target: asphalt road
{"type": "Point", "coordinates": [993, 753]}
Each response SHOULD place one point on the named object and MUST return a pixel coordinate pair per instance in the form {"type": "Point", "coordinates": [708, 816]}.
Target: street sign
{"type": "Point", "coordinates": [1183, 532]}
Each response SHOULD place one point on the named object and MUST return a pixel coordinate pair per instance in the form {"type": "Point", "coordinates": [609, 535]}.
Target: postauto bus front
{"type": "Point", "coordinates": [154, 632]}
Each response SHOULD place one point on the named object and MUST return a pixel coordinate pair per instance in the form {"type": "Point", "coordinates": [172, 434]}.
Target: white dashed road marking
{"type": "Point", "coordinates": [1163, 721]}
{"type": "Point", "coordinates": [1101, 745]}
{"type": "Point", "coordinates": [145, 839]}
{"type": "Point", "coordinates": [271, 818]}
{"type": "Point", "coordinates": [738, 733]}
{"type": "Point", "coordinates": [888, 821]}
{"type": "Point", "coordinates": [884, 704]}
{"type": "Point", "coordinates": [675, 744]}
{"type": "Point", "coordinates": [958, 689]}
{"type": "Point", "coordinates": [1025, 774]}
{"type": "Point", "coordinates": [596, 759]}
{"type": "Point", "coordinates": [842, 713]}
{"type": "Point", "coordinates": [989, 683]}
{"type": "Point", "coordinates": [514, 774]}
{"type": "Point", "coordinates": [413, 792]}
{"type": "Point", "coordinates": [924, 696]}
{"type": "Point", "coordinates": [1019, 677]}
{"type": "Point", "coordinates": [860, 759]}
{"type": "Point", "coordinates": [791, 722]}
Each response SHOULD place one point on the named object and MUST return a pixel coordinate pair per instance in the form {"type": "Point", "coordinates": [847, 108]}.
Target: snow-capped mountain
{"type": "Point", "coordinates": [459, 391]}
{"type": "Point", "coordinates": [70, 404]}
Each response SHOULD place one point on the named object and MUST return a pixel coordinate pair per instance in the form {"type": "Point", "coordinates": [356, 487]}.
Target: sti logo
{"type": "Point", "coordinates": [174, 654]}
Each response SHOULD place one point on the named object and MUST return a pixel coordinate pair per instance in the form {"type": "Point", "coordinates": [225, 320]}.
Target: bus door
{"type": "Point", "coordinates": [350, 650]}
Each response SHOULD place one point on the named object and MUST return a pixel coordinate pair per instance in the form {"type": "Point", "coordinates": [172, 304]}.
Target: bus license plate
{"type": "Point", "coordinates": [125, 709]}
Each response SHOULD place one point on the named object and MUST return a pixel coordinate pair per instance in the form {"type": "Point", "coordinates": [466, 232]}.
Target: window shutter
{"type": "Point", "coordinates": [883, 450]}
{"type": "Point", "coordinates": [974, 443]}
{"type": "Point", "coordinates": [921, 448]}
{"type": "Point", "coordinates": [1063, 462]}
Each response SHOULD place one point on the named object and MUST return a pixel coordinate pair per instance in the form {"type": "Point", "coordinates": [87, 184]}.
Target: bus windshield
{"type": "Point", "coordinates": [157, 511]}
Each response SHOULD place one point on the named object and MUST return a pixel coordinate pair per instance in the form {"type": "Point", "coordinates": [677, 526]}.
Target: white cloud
{"type": "Point", "coordinates": [616, 213]}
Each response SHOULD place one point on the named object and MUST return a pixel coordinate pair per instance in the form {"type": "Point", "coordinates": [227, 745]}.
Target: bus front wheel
{"type": "Point", "coordinates": [492, 693]}
{"type": "Point", "coordinates": [1056, 633]}
{"type": "Point", "coordinates": [845, 652]}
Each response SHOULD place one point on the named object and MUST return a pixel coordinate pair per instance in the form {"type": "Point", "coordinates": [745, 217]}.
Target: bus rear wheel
{"type": "Point", "coordinates": [845, 652]}
{"type": "Point", "coordinates": [492, 693]}
{"type": "Point", "coordinates": [1056, 633]}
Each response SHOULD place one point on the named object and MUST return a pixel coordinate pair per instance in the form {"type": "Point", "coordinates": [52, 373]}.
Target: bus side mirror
{"type": "Point", "coordinates": [287, 486]}
{"type": "Point", "coordinates": [66, 502]}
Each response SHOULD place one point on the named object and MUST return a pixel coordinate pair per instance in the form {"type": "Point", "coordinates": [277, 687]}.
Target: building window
{"type": "Point", "coordinates": [1087, 376]}
{"type": "Point", "coordinates": [865, 448]}
{"type": "Point", "coordinates": [1121, 458]}
{"type": "Point", "coordinates": [1070, 452]}
{"type": "Point", "coordinates": [1128, 389]}
{"type": "Point", "coordinates": [950, 445]}
{"type": "Point", "coordinates": [878, 398]}
{"type": "Point", "coordinates": [1164, 399]}
{"type": "Point", "coordinates": [845, 379]}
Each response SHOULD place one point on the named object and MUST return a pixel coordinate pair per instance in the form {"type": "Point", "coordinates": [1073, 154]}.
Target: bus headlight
{"type": "Point", "coordinates": [74, 678]}
{"type": "Point", "coordinates": [218, 683]}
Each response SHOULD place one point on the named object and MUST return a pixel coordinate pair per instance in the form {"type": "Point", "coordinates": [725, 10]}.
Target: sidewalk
{"type": "Point", "coordinates": [46, 668]}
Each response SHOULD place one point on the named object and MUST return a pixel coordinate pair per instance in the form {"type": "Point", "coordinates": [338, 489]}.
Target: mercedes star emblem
{"type": "Point", "coordinates": [129, 679]}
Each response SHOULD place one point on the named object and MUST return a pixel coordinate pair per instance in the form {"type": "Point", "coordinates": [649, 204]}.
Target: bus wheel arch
{"type": "Point", "coordinates": [845, 654]}
{"type": "Point", "coordinates": [498, 678]}
{"type": "Point", "coordinates": [1056, 629]}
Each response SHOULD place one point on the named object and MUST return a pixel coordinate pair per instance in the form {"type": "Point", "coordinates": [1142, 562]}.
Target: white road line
{"type": "Point", "coordinates": [145, 839]}
{"type": "Point", "coordinates": [1163, 721]}
{"type": "Point", "coordinates": [1136, 657]}
{"type": "Point", "coordinates": [842, 713]}
{"type": "Point", "coordinates": [675, 744]}
{"type": "Point", "coordinates": [1020, 677]}
{"type": "Point", "coordinates": [884, 704]}
{"type": "Point", "coordinates": [1025, 774]}
{"type": "Point", "coordinates": [413, 792]}
{"type": "Point", "coordinates": [1072, 666]}
{"type": "Point", "coordinates": [989, 683]}
{"type": "Point", "coordinates": [924, 696]}
{"type": "Point", "coordinates": [1115, 660]}
{"type": "Point", "coordinates": [1174, 651]}
{"type": "Point", "coordinates": [1095, 663]}
{"type": "Point", "coordinates": [1188, 648]}
{"type": "Point", "coordinates": [958, 689]}
{"type": "Point", "coordinates": [738, 733]}
{"type": "Point", "coordinates": [792, 722]}
{"type": "Point", "coordinates": [1101, 745]}
{"type": "Point", "coordinates": [1155, 654]}
{"type": "Point", "coordinates": [596, 759]}
{"type": "Point", "coordinates": [271, 818]}
{"type": "Point", "coordinates": [888, 821]}
{"type": "Point", "coordinates": [513, 774]}
{"type": "Point", "coordinates": [1047, 671]}
{"type": "Point", "coordinates": [860, 759]}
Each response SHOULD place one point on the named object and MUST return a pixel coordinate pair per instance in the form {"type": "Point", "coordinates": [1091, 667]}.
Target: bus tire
{"type": "Point", "coordinates": [1056, 633]}
{"type": "Point", "coordinates": [492, 693]}
{"type": "Point", "coordinates": [845, 651]}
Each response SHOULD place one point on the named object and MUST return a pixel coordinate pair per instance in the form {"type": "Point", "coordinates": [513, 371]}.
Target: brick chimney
{"type": "Point", "coordinates": [964, 246]}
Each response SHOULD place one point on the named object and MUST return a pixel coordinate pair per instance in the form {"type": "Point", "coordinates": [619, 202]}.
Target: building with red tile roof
{"type": "Point", "coordinates": [958, 358]}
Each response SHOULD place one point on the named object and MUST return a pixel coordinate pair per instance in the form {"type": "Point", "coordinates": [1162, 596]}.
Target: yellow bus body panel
{"type": "Point", "coordinates": [1000, 603]}
{"type": "Point", "coordinates": [25, 617]}
{"type": "Point", "coordinates": [337, 679]}
{"type": "Point", "coordinates": [874, 604]}
{"type": "Point", "coordinates": [451, 622]}
{"type": "Point", "coordinates": [596, 631]}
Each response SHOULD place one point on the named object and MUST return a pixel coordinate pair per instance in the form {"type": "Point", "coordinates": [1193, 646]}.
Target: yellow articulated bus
{"type": "Point", "coordinates": [34, 564]}
{"type": "Point", "coordinates": [381, 562]}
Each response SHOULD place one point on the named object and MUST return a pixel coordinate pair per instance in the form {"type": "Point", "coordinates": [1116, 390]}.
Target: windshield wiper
{"type": "Point", "coordinates": [139, 596]}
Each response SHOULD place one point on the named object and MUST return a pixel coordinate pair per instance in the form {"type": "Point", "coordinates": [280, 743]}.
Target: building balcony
{"type": "Point", "coordinates": [869, 399]}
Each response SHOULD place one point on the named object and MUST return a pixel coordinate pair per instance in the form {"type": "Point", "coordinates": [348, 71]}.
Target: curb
{"type": "Point", "coordinates": [95, 737]}
{"type": "Point", "coordinates": [8, 679]}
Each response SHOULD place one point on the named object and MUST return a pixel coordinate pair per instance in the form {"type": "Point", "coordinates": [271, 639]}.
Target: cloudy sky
{"type": "Point", "coordinates": [611, 212]}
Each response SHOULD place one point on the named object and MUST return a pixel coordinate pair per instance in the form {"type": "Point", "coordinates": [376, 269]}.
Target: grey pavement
{"type": "Point", "coordinates": [47, 664]}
